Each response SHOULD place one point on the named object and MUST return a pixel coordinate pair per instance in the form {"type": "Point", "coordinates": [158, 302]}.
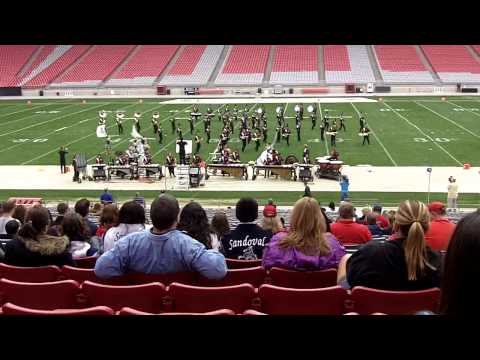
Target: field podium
{"type": "Point", "coordinates": [182, 177]}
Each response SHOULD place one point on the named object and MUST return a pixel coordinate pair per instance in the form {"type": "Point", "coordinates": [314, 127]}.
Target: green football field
{"type": "Point", "coordinates": [406, 131]}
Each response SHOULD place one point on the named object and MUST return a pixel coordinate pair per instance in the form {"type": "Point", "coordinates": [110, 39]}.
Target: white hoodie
{"type": "Point", "coordinates": [116, 233]}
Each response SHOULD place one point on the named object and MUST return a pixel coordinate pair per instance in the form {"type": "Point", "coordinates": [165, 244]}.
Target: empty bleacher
{"type": "Point", "coordinates": [143, 68]}
{"type": "Point", "coordinates": [401, 64]}
{"type": "Point", "coordinates": [347, 64]}
{"type": "Point", "coordinates": [244, 65]}
{"type": "Point", "coordinates": [194, 66]}
{"type": "Point", "coordinates": [295, 64]}
{"type": "Point", "coordinates": [12, 59]}
{"type": "Point", "coordinates": [453, 63]}
{"type": "Point", "coordinates": [95, 66]}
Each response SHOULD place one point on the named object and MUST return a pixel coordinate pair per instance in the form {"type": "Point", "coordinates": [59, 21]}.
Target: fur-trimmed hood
{"type": "Point", "coordinates": [47, 244]}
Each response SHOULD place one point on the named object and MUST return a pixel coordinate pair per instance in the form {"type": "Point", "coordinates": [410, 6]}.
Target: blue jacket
{"type": "Point", "coordinates": [150, 253]}
{"type": "Point", "coordinates": [106, 197]}
{"type": "Point", "coordinates": [344, 186]}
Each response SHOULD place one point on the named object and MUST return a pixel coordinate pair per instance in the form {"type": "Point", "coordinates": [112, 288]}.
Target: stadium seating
{"type": "Point", "coordinates": [62, 57]}
{"type": "Point", "coordinates": [477, 49]}
{"type": "Point", "coordinates": [302, 279]}
{"type": "Point", "coordinates": [244, 65]}
{"type": "Point", "coordinates": [295, 64]}
{"type": "Point", "coordinates": [44, 296]}
{"type": "Point", "coordinates": [12, 59]}
{"type": "Point", "coordinates": [275, 300]}
{"type": "Point", "coordinates": [80, 275]}
{"type": "Point", "coordinates": [87, 262]}
{"type": "Point", "coordinates": [401, 64]}
{"type": "Point", "coordinates": [130, 311]}
{"type": "Point", "coordinates": [92, 69]}
{"type": "Point", "coordinates": [12, 309]}
{"type": "Point", "coordinates": [146, 297]}
{"type": "Point", "coordinates": [253, 312]}
{"type": "Point", "coordinates": [39, 274]}
{"type": "Point", "coordinates": [367, 301]}
{"type": "Point", "coordinates": [254, 276]}
{"type": "Point", "coordinates": [143, 68]}
{"type": "Point", "coordinates": [242, 264]}
{"type": "Point", "coordinates": [347, 64]}
{"type": "Point", "coordinates": [453, 63]}
{"type": "Point", "coordinates": [189, 278]}
{"type": "Point", "coordinates": [186, 298]}
{"type": "Point", "coordinates": [194, 65]}
{"type": "Point", "coordinates": [26, 201]}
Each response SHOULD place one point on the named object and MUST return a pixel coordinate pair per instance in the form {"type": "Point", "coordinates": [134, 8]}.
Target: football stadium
{"type": "Point", "coordinates": [264, 179]}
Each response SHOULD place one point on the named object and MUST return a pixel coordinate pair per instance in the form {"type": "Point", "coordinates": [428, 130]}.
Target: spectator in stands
{"type": "Point", "coordinates": [33, 247]}
{"type": "Point", "coordinates": [106, 197]}
{"type": "Point", "coordinates": [328, 221]}
{"type": "Point", "coordinates": [403, 264]}
{"type": "Point", "coordinates": [346, 230]}
{"type": "Point", "coordinates": [74, 228]}
{"type": "Point", "coordinates": [462, 269]}
{"type": "Point", "coordinates": [19, 213]}
{"type": "Point", "coordinates": [11, 230]}
{"type": "Point", "coordinates": [108, 219]}
{"type": "Point", "coordinates": [8, 209]}
{"type": "Point", "coordinates": [248, 239]}
{"type": "Point", "coordinates": [270, 220]}
{"type": "Point", "coordinates": [373, 226]}
{"type": "Point", "coordinates": [131, 218]}
{"type": "Point", "coordinates": [161, 249]}
{"type": "Point", "coordinates": [97, 209]}
{"type": "Point", "coordinates": [441, 229]}
{"type": "Point", "coordinates": [363, 219]}
{"type": "Point", "coordinates": [82, 207]}
{"type": "Point", "coordinates": [139, 199]}
{"type": "Point", "coordinates": [382, 222]}
{"type": "Point", "coordinates": [331, 207]}
{"type": "Point", "coordinates": [194, 222]}
{"type": "Point", "coordinates": [306, 246]}
{"type": "Point", "coordinates": [220, 226]}
{"type": "Point", "coordinates": [62, 208]}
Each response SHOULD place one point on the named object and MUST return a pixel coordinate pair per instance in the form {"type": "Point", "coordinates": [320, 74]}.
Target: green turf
{"type": "Point", "coordinates": [287, 198]}
{"type": "Point", "coordinates": [446, 133]}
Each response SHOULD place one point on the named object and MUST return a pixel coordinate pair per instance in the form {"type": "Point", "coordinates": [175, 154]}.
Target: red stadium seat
{"type": "Point", "coordinates": [186, 298]}
{"type": "Point", "coordinates": [30, 274]}
{"type": "Point", "coordinates": [302, 279]}
{"type": "Point", "coordinates": [253, 312]}
{"type": "Point", "coordinates": [367, 301]}
{"type": "Point", "coordinates": [187, 277]}
{"type": "Point", "coordinates": [87, 262]}
{"type": "Point", "coordinates": [242, 264]}
{"type": "Point", "coordinates": [81, 275]}
{"type": "Point", "coordinates": [285, 301]}
{"type": "Point", "coordinates": [254, 276]}
{"type": "Point", "coordinates": [44, 296]}
{"type": "Point", "coordinates": [147, 297]}
{"type": "Point", "coordinates": [130, 311]}
{"type": "Point", "coordinates": [11, 309]}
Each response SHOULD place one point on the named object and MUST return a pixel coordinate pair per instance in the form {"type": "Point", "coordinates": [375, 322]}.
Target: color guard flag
{"type": "Point", "coordinates": [101, 131]}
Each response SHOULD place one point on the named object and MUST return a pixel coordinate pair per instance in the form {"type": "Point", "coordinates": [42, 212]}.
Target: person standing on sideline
{"type": "Point", "coordinates": [344, 184]}
{"type": "Point", "coordinates": [106, 197]}
{"type": "Point", "coordinates": [452, 193]}
{"type": "Point", "coordinates": [63, 162]}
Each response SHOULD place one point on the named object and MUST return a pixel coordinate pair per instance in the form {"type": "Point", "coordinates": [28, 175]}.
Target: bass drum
{"type": "Point", "coordinates": [291, 159]}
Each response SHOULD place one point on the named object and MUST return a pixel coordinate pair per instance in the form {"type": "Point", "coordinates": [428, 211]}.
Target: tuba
{"type": "Point", "coordinates": [310, 108]}
{"type": "Point", "coordinates": [297, 108]}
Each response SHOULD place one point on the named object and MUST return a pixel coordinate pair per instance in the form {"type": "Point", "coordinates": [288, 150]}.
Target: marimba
{"type": "Point", "coordinates": [286, 172]}
{"type": "Point", "coordinates": [330, 169]}
{"type": "Point", "coordinates": [121, 171]}
{"type": "Point", "coordinates": [236, 170]}
{"type": "Point", "coordinates": [151, 169]}
{"type": "Point", "coordinates": [98, 171]}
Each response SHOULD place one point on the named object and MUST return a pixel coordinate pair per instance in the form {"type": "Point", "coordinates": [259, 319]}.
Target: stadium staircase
{"type": "Point", "coordinates": [219, 66]}
{"type": "Point", "coordinates": [427, 64]}
{"type": "Point", "coordinates": [170, 64]}
{"type": "Point", "coordinates": [374, 64]}
{"type": "Point", "coordinates": [30, 61]}
{"type": "Point", "coordinates": [321, 66]}
{"type": "Point", "coordinates": [49, 55]}
{"type": "Point", "coordinates": [475, 54]}
{"type": "Point", "coordinates": [72, 65]}
{"type": "Point", "coordinates": [268, 68]}
{"type": "Point", "coordinates": [127, 58]}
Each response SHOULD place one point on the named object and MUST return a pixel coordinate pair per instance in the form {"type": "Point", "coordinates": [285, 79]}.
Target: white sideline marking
{"type": "Point", "coordinates": [426, 135]}
{"type": "Point", "coordinates": [378, 139]}
{"type": "Point", "coordinates": [81, 122]}
{"type": "Point", "coordinates": [275, 100]}
{"type": "Point", "coordinates": [63, 128]}
{"type": "Point", "coordinates": [444, 117]}
{"type": "Point", "coordinates": [28, 116]}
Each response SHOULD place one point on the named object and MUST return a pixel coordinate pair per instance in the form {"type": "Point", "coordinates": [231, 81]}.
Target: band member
{"type": "Point", "coordinates": [265, 132]}
{"type": "Point", "coordinates": [243, 137]}
{"type": "Point", "coordinates": [235, 109]}
{"type": "Point", "coordinates": [298, 119]}
{"type": "Point", "coordinates": [286, 134]}
{"type": "Point", "coordinates": [276, 160]}
{"type": "Point", "coordinates": [299, 128]}
{"type": "Point", "coordinates": [225, 155]}
{"type": "Point", "coordinates": [99, 159]}
{"type": "Point", "coordinates": [198, 143]}
{"type": "Point", "coordinates": [206, 123]}
{"type": "Point", "coordinates": [160, 134]}
{"type": "Point", "coordinates": [174, 125]}
{"type": "Point", "coordinates": [334, 123]}
{"type": "Point", "coordinates": [108, 144]}
{"type": "Point", "coordinates": [306, 154]}
{"type": "Point", "coordinates": [301, 111]}
{"type": "Point", "coordinates": [333, 136]}
{"type": "Point", "coordinates": [231, 124]}
{"type": "Point", "coordinates": [236, 156]}
{"type": "Point", "coordinates": [256, 138]}
{"type": "Point", "coordinates": [136, 120]}
{"type": "Point", "coordinates": [103, 116]}
{"type": "Point", "coordinates": [253, 122]}
{"type": "Point", "coordinates": [313, 116]}
{"type": "Point", "coordinates": [362, 122]}
{"type": "Point", "coordinates": [223, 139]}
{"type": "Point", "coordinates": [170, 162]}
{"type": "Point", "coordinates": [179, 133]}
{"type": "Point", "coordinates": [63, 162]}
{"type": "Point", "coordinates": [279, 133]}
{"type": "Point", "coordinates": [366, 135]}
{"type": "Point", "coordinates": [249, 135]}
{"type": "Point", "coordinates": [190, 122]}
{"type": "Point", "coordinates": [118, 120]}
{"type": "Point", "coordinates": [334, 155]}
{"type": "Point", "coordinates": [155, 126]}
{"type": "Point", "coordinates": [207, 131]}
{"type": "Point", "coordinates": [342, 123]}
{"type": "Point", "coordinates": [244, 122]}
{"type": "Point", "coordinates": [76, 171]}
{"type": "Point", "coordinates": [322, 131]}
{"type": "Point", "coordinates": [181, 150]}
{"type": "Point", "coordinates": [195, 114]}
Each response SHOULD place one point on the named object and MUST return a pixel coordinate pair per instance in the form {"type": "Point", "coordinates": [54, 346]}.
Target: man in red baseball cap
{"type": "Point", "coordinates": [441, 229]}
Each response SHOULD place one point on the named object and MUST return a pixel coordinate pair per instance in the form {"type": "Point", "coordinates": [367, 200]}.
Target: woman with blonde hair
{"type": "Point", "coordinates": [270, 219]}
{"type": "Point", "coordinates": [306, 246]}
{"type": "Point", "coordinates": [406, 263]}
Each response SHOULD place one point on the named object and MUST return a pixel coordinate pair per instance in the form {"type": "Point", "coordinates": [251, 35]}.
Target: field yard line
{"type": "Point", "coordinates": [377, 138]}
{"type": "Point", "coordinates": [28, 116]}
{"type": "Point", "coordinates": [444, 117]}
{"type": "Point", "coordinates": [47, 121]}
{"type": "Point", "coordinates": [321, 119]}
{"type": "Point", "coordinates": [17, 112]}
{"type": "Point", "coordinates": [425, 134]}
{"type": "Point", "coordinates": [73, 142]}
{"type": "Point", "coordinates": [157, 106]}
{"type": "Point", "coordinates": [470, 111]}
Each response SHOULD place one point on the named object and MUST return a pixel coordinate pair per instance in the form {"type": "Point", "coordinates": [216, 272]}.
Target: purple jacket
{"type": "Point", "coordinates": [293, 259]}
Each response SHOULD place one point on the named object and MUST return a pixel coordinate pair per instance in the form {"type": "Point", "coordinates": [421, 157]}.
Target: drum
{"type": "Point", "coordinates": [323, 164]}
{"type": "Point", "coordinates": [336, 165]}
